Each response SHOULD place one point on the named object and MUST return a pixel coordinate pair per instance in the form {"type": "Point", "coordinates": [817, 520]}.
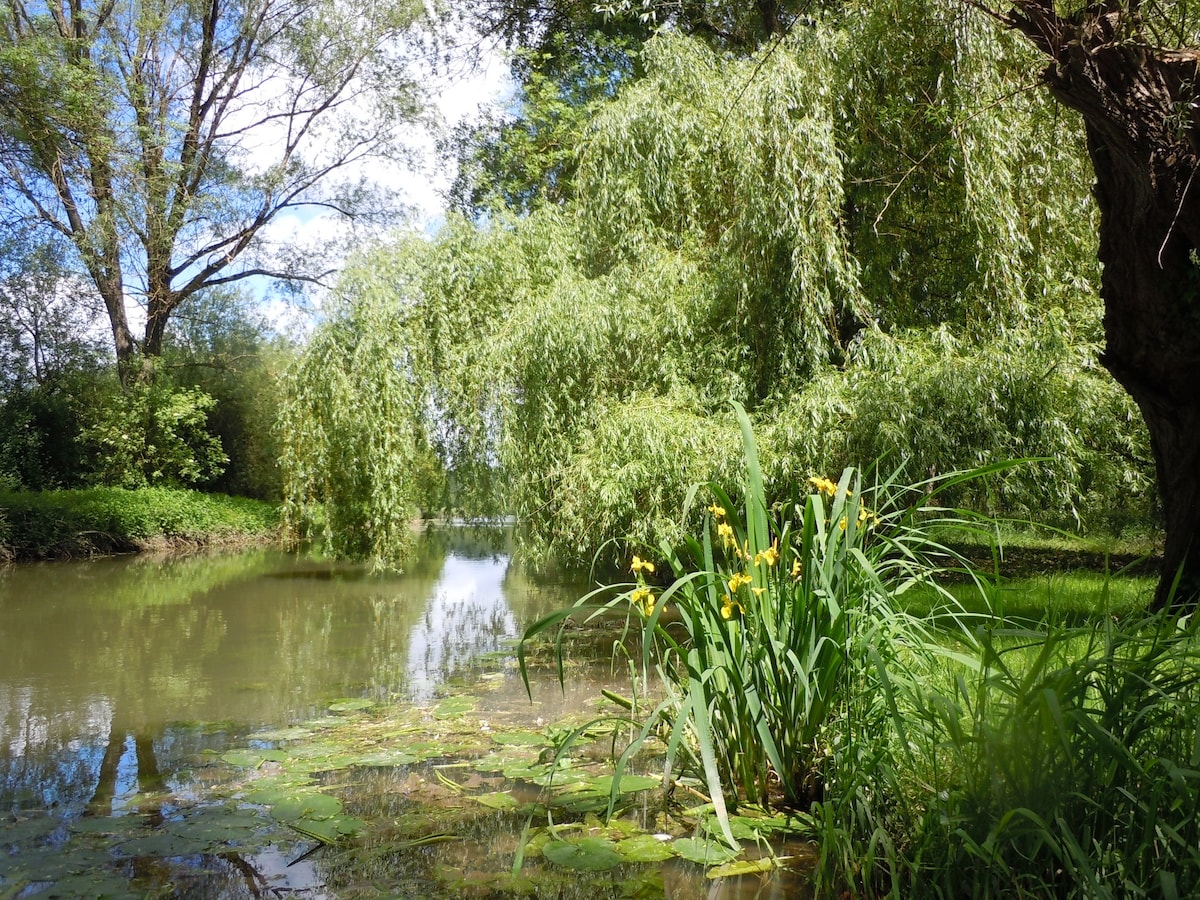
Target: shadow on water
{"type": "Point", "coordinates": [204, 726]}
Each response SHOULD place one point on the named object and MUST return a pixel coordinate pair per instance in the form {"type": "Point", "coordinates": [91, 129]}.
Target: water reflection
{"type": "Point", "coordinates": [114, 672]}
{"type": "Point", "coordinates": [466, 616]}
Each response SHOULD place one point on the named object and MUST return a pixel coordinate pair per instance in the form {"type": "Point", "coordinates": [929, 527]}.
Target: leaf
{"type": "Point", "coordinates": [587, 854]}
{"type": "Point", "coordinates": [645, 848]}
{"type": "Point", "coordinates": [747, 867]}
{"type": "Point", "coordinates": [249, 758]}
{"type": "Point", "coordinates": [497, 800]}
{"type": "Point", "coordinates": [351, 704]}
{"type": "Point", "coordinates": [454, 707]}
{"type": "Point", "coordinates": [705, 852]}
{"type": "Point", "coordinates": [309, 805]}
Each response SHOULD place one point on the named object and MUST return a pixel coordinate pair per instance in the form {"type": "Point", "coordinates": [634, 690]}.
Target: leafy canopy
{"type": "Point", "coordinates": [756, 228]}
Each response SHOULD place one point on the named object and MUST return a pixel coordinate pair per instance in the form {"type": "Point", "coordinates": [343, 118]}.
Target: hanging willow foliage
{"type": "Point", "coordinates": [740, 229]}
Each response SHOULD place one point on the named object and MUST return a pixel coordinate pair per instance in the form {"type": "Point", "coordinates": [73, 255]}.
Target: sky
{"type": "Point", "coordinates": [458, 89]}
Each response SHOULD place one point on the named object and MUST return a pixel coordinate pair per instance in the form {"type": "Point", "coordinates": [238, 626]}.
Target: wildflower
{"type": "Point", "coordinates": [770, 556]}
{"type": "Point", "coordinates": [738, 580]}
{"type": "Point", "coordinates": [842, 523]}
{"type": "Point", "coordinates": [643, 598]}
{"type": "Point", "coordinates": [866, 517]}
{"type": "Point", "coordinates": [725, 533]}
{"type": "Point", "coordinates": [728, 606]}
{"type": "Point", "coordinates": [758, 592]}
{"type": "Point", "coordinates": [823, 485]}
{"type": "Point", "coordinates": [640, 565]}
{"type": "Point", "coordinates": [796, 567]}
{"type": "Point", "coordinates": [717, 511]}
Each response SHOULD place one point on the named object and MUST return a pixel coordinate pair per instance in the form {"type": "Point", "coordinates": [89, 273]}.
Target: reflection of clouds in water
{"type": "Point", "coordinates": [466, 616]}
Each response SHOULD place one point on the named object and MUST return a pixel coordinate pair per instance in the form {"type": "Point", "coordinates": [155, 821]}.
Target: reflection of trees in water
{"type": "Point", "coordinates": [93, 653]}
{"type": "Point", "coordinates": [467, 615]}
{"type": "Point", "coordinates": [466, 540]}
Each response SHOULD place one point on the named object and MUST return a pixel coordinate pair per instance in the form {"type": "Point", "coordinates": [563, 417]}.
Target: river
{"type": "Point", "coordinates": [127, 684]}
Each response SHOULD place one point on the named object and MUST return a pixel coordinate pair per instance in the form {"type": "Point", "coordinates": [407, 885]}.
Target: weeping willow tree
{"type": "Point", "coordinates": [754, 228]}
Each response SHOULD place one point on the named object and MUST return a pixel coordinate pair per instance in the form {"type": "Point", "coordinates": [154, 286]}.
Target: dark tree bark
{"type": "Point", "coordinates": [1141, 110]}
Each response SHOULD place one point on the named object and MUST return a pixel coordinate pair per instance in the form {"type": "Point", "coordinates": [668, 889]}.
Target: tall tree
{"type": "Point", "coordinates": [1131, 70]}
{"type": "Point", "coordinates": [163, 137]}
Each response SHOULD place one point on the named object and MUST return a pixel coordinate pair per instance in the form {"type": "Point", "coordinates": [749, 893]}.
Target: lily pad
{"type": "Point", "coordinates": [351, 704]}
{"type": "Point", "coordinates": [753, 828]}
{"type": "Point", "coordinates": [93, 886]}
{"type": "Point", "coordinates": [454, 707]}
{"type": "Point", "coordinates": [645, 848]}
{"type": "Point", "coordinates": [26, 829]}
{"type": "Point", "coordinates": [163, 845]}
{"type": "Point", "coordinates": [384, 759]}
{"type": "Point", "coordinates": [106, 825]}
{"type": "Point", "coordinates": [747, 867]}
{"type": "Point", "coordinates": [497, 800]}
{"type": "Point", "coordinates": [252, 758]}
{"type": "Point", "coordinates": [55, 863]}
{"type": "Point", "coordinates": [309, 805]}
{"type": "Point", "coordinates": [219, 825]}
{"type": "Point", "coordinates": [587, 854]}
{"type": "Point", "coordinates": [519, 739]}
{"type": "Point", "coordinates": [705, 852]}
{"type": "Point", "coordinates": [295, 733]}
{"type": "Point", "coordinates": [629, 784]}
{"type": "Point", "coordinates": [329, 830]}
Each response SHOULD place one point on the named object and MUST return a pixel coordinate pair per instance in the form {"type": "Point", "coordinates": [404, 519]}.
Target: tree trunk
{"type": "Point", "coordinates": [1138, 106]}
{"type": "Point", "coordinates": [113, 293]}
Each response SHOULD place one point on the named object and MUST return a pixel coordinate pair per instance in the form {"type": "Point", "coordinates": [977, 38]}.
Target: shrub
{"type": "Point", "coordinates": [115, 520]}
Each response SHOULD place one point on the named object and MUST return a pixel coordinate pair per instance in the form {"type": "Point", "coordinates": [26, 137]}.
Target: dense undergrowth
{"type": "Point", "coordinates": [942, 745]}
{"type": "Point", "coordinates": [61, 524]}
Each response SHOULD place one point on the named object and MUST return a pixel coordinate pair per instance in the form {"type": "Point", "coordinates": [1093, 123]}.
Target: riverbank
{"type": "Point", "coordinates": [101, 521]}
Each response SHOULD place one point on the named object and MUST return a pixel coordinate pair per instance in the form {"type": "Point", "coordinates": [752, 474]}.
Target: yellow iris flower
{"type": "Point", "coordinates": [644, 599]}
{"type": "Point", "coordinates": [717, 511]}
{"type": "Point", "coordinates": [770, 556]}
{"type": "Point", "coordinates": [737, 581]}
{"type": "Point", "coordinates": [640, 565]}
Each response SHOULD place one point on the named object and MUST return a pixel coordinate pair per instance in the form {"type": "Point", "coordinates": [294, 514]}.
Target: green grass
{"type": "Point", "coordinates": [1021, 547]}
{"type": "Point", "coordinates": [61, 524]}
{"type": "Point", "coordinates": [1063, 597]}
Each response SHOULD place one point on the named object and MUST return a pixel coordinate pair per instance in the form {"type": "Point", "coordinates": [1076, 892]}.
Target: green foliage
{"type": "Point", "coordinates": [755, 195]}
{"type": "Point", "coordinates": [105, 520]}
{"type": "Point", "coordinates": [786, 230]}
{"type": "Point", "coordinates": [520, 162]}
{"type": "Point", "coordinates": [1041, 760]}
{"type": "Point", "coordinates": [936, 403]}
{"type": "Point", "coordinates": [153, 434]}
{"type": "Point", "coordinates": [220, 346]}
{"type": "Point", "coordinates": [358, 458]}
{"type": "Point", "coordinates": [773, 617]}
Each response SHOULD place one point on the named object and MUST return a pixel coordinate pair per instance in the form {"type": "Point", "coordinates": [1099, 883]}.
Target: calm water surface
{"type": "Point", "coordinates": [118, 675]}
{"type": "Point", "coordinates": [133, 663]}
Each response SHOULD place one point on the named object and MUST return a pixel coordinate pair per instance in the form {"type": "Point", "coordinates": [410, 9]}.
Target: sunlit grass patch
{"type": "Point", "coordinates": [1065, 597]}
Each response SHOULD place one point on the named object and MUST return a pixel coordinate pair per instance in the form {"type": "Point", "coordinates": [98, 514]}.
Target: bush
{"type": "Point", "coordinates": [55, 524]}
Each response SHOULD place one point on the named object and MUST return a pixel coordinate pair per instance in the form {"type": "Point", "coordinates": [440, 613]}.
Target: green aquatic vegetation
{"type": "Point", "coordinates": [85, 858]}
{"type": "Point", "coordinates": [773, 616]}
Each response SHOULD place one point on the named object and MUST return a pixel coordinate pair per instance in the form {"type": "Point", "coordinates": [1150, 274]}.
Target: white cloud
{"type": "Point", "coordinates": [460, 79]}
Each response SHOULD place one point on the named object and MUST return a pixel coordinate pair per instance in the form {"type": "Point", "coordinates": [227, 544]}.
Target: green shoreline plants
{"type": "Point", "coordinates": [777, 617]}
{"type": "Point", "coordinates": [955, 754]}
{"type": "Point", "coordinates": [60, 524]}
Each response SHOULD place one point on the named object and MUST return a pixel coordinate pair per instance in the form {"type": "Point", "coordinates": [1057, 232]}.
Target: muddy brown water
{"type": "Point", "coordinates": [120, 677]}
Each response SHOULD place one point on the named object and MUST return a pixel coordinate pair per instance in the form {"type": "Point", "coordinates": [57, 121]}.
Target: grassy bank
{"type": "Point", "coordinates": [96, 521]}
